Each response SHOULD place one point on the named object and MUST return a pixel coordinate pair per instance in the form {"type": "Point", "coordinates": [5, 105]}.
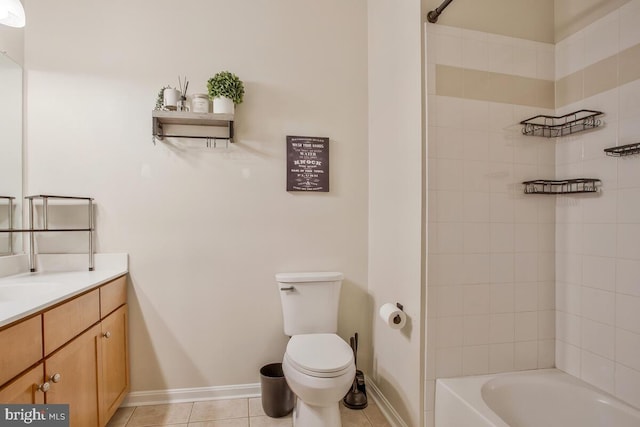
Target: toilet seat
{"type": "Point", "coordinates": [319, 355]}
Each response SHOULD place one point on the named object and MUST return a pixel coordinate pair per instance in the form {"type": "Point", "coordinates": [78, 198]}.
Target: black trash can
{"type": "Point", "coordinates": [277, 397]}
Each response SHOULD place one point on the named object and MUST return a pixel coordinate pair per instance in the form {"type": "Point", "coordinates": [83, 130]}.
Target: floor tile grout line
{"type": "Point", "coordinates": [190, 412]}
{"type": "Point", "coordinates": [129, 417]}
{"type": "Point", "coordinates": [248, 417]}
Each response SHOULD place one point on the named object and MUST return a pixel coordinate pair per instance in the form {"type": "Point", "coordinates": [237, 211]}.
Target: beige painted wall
{"type": "Point", "coordinates": [12, 42]}
{"type": "Point", "coordinates": [395, 198]}
{"type": "Point", "coordinates": [526, 19]}
{"type": "Point", "coordinates": [546, 21]}
{"type": "Point", "coordinates": [206, 230]}
{"type": "Point", "coordinates": [572, 15]}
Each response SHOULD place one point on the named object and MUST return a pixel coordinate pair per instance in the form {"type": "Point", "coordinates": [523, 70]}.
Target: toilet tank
{"type": "Point", "coordinates": [310, 302]}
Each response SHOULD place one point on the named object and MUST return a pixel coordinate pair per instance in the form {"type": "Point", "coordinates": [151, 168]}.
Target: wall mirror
{"type": "Point", "coordinates": [10, 154]}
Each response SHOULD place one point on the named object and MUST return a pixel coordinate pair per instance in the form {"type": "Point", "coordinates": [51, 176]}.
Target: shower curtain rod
{"type": "Point", "coordinates": [433, 15]}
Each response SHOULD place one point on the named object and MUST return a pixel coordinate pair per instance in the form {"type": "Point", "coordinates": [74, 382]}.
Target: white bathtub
{"type": "Point", "coordinates": [542, 398]}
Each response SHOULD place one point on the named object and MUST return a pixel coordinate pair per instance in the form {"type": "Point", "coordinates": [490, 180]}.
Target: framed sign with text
{"type": "Point", "coordinates": [307, 163]}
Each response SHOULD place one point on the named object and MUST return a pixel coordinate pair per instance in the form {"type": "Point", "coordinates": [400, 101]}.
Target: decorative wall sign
{"type": "Point", "coordinates": [307, 163]}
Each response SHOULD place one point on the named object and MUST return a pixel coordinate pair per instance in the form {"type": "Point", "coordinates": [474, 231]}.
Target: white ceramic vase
{"type": "Point", "coordinates": [223, 105]}
{"type": "Point", "coordinates": [171, 97]}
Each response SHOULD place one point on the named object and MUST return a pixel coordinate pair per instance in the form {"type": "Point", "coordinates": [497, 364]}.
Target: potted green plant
{"type": "Point", "coordinates": [167, 98]}
{"type": "Point", "coordinates": [160, 98]}
{"type": "Point", "coordinates": [226, 90]}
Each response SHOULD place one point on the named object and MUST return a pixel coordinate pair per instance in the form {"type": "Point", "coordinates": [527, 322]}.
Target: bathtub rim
{"type": "Point", "coordinates": [470, 393]}
{"type": "Point", "coordinates": [470, 396]}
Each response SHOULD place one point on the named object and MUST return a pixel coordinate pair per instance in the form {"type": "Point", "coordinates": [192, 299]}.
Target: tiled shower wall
{"type": "Point", "coordinates": [500, 262]}
{"type": "Point", "coordinates": [598, 238]}
{"type": "Point", "coordinates": [491, 260]}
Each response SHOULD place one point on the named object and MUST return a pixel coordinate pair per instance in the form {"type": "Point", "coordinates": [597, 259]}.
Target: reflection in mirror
{"type": "Point", "coordinates": [10, 153]}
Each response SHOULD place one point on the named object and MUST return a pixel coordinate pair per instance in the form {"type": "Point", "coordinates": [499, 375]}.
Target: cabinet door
{"type": "Point", "coordinates": [20, 347]}
{"type": "Point", "coordinates": [115, 363]}
{"type": "Point", "coordinates": [25, 388]}
{"type": "Point", "coordinates": [73, 374]}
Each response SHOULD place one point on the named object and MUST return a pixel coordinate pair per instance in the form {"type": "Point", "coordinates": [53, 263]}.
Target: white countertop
{"type": "Point", "coordinates": [27, 293]}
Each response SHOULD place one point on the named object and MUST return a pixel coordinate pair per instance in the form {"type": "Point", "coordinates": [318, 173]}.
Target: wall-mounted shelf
{"type": "Point", "coordinates": [623, 150]}
{"type": "Point", "coordinates": [177, 124]}
{"type": "Point", "coordinates": [44, 199]}
{"type": "Point", "coordinates": [555, 126]}
{"type": "Point", "coordinates": [9, 229]}
{"type": "Point", "coordinates": [565, 186]}
{"type": "Point", "coordinates": [32, 229]}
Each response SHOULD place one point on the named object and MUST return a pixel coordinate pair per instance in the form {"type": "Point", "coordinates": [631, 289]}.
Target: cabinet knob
{"type": "Point", "coordinates": [55, 378]}
{"type": "Point", "coordinates": [44, 387]}
{"type": "Point", "coordinates": [107, 334]}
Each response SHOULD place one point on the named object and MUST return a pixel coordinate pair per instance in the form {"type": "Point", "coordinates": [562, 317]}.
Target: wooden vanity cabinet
{"type": "Point", "coordinates": [83, 356]}
{"type": "Point", "coordinates": [25, 388]}
{"type": "Point", "coordinates": [115, 347]}
{"type": "Point", "coordinates": [73, 374]}
{"type": "Point", "coordinates": [21, 346]}
{"type": "Point", "coordinates": [69, 319]}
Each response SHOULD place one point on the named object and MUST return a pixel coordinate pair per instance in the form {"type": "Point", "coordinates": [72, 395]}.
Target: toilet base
{"type": "Point", "coordinates": [305, 415]}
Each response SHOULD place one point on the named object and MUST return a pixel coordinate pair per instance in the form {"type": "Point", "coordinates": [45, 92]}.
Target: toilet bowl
{"type": "Point", "coordinates": [319, 369]}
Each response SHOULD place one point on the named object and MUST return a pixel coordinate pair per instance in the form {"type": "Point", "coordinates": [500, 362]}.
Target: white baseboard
{"type": "Point", "coordinates": [385, 406]}
{"type": "Point", "coordinates": [179, 395]}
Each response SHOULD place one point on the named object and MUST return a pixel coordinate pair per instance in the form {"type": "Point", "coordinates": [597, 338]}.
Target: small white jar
{"type": "Point", "coordinates": [200, 103]}
{"type": "Point", "coordinates": [170, 97]}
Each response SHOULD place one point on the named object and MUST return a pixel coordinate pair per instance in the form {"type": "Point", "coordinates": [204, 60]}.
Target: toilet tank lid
{"type": "Point", "coordinates": [322, 276]}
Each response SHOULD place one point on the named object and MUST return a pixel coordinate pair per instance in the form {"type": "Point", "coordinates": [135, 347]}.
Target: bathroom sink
{"type": "Point", "coordinates": [26, 291]}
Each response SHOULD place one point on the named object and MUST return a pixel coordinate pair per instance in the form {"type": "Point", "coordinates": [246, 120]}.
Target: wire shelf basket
{"type": "Point", "coordinates": [623, 150]}
{"type": "Point", "coordinates": [556, 126]}
{"type": "Point", "coordinates": [565, 186]}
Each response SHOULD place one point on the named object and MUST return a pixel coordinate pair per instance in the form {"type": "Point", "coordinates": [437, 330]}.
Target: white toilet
{"type": "Point", "coordinates": [318, 365]}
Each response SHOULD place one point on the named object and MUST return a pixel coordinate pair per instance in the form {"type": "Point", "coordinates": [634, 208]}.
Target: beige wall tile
{"type": "Point", "coordinates": [604, 75]}
{"type": "Point", "coordinates": [629, 63]}
{"type": "Point", "coordinates": [501, 88]}
{"type": "Point", "coordinates": [449, 81]}
{"type": "Point", "coordinates": [524, 92]}
{"type": "Point", "coordinates": [476, 84]}
{"type": "Point", "coordinates": [495, 87]}
{"type": "Point", "coordinates": [545, 93]}
{"type": "Point", "coordinates": [569, 89]}
{"type": "Point", "coordinates": [533, 92]}
{"type": "Point", "coordinates": [609, 73]}
{"type": "Point", "coordinates": [601, 76]}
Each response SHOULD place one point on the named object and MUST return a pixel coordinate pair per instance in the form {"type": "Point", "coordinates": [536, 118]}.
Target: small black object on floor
{"type": "Point", "coordinates": [356, 398]}
{"type": "Point", "coordinates": [277, 397]}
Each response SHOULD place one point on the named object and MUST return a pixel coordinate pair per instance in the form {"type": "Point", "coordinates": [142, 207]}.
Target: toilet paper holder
{"type": "Point", "coordinates": [397, 319]}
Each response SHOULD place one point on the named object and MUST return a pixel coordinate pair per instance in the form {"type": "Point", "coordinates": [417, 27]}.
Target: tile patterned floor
{"type": "Point", "coordinates": [229, 413]}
